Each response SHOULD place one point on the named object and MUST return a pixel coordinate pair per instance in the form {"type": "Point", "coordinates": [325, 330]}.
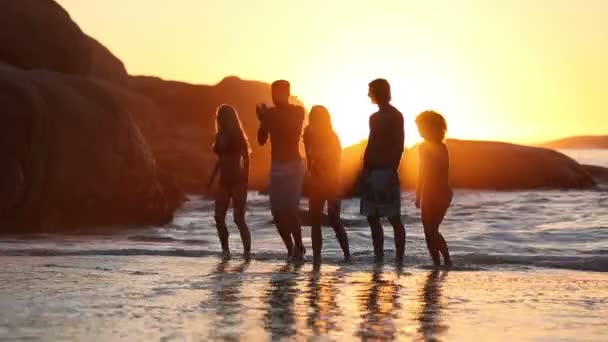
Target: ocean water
{"type": "Point", "coordinates": [529, 265]}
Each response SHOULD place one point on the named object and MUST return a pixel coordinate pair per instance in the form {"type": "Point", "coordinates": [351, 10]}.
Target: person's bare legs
{"type": "Point", "coordinates": [296, 232]}
{"type": "Point", "coordinates": [399, 231]}
{"type": "Point", "coordinates": [431, 242]}
{"type": "Point", "coordinates": [284, 232]}
{"type": "Point", "coordinates": [443, 248]}
{"type": "Point", "coordinates": [333, 211]}
{"type": "Point", "coordinates": [316, 209]}
{"type": "Point", "coordinates": [431, 219]}
{"type": "Point", "coordinates": [222, 201]}
{"type": "Point", "coordinates": [377, 237]}
{"type": "Point", "coordinates": [239, 203]}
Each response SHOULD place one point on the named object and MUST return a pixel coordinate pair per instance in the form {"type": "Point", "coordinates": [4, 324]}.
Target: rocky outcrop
{"type": "Point", "coordinates": [486, 165]}
{"type": "Point", "coordinates": [85, 144]}
{"type": "Point", "coordinates": [598, 173]}
{"type": "Point", "coordinates": [504, 166]}
{"type": "Point", "coordinates": [39, 34]}
{"type": "Point", "coordinates": [580, 142]}
{"type": "Point", "coordinates": [181, 132]}
{"type": "Point", "coordinates": [104, 65]}
{"type": "Point", "coordinates": [72, 156]}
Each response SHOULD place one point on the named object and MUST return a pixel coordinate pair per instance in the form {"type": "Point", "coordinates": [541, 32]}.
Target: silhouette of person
{"type": "Point", "coordinates": [323, 155]}
{"type": "Point", "coordinates": [283, 125]}
{"type": "Point", "coordinates": [379, 305]}
{"type": "Point", "coordinates": [380, 189]}
{"type": "Point", "coordinates": [232, 149]}
{"type": "Point", "coordinates": [433, 194]}
{"type": "Point", "coordinates": [280, 320]}
{"type": "Point", "coordinates": [430, 315]}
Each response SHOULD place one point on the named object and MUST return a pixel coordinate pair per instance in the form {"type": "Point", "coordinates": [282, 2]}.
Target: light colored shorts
{"type": "Point", "coordinates": [286, 185]}
{"type": "Point", "coordinates": [381, 194]}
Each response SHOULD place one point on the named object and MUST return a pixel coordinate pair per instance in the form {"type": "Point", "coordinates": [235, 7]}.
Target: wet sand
{"type": "Point", "coordinates": [205, 298]}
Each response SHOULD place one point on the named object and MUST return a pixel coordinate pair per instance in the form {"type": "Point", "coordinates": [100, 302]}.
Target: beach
{"type": "Point", "coordinates": [529, 266]}
{"type": "Point", "coordinates": [176, 298]}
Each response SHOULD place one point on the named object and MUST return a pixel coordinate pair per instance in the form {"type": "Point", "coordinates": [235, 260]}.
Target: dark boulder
{"type": "Point", "coordinates": [598, 173]}
{"type": "Point", "coordinates": [39, 34]}
{"type": "Point", "coordinates": [182, 130]}
{"type": "Point", "coordinates": [503, 166]}
{"type": "Point", "coordinates": [72, 156]}
{"type": "Point", "coordinates": [485, 165]}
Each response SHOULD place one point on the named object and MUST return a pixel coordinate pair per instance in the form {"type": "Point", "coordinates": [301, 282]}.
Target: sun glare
{"type": "Point", "coordinates": [413, 92]}
{"type": "Point", "coordinates": [537, 77]}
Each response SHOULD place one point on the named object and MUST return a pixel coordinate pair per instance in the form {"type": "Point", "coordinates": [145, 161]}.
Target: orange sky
{"type": "Point", "coordinates": [517, 70]}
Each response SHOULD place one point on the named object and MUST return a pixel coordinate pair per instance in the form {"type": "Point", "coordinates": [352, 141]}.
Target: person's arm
{"type": "Point", "coordinates": [263, 132]}
{"type": "Point", "coordinates": [338, 151]}
{"type": "Point", "coordinates": [309, 160]}
{"type": "Point", "coordinates": [366, 154]}
{"type": "Point", "coordinates": [222, 144]}
{"type": "Point", "coordinates": [421, 174]}
{"type": "Point", "coordinates": [246, 161]}
{"type": "Point", "coordinates": [213, 174]}
{"type": "Point", "coordinates": [398, 141]}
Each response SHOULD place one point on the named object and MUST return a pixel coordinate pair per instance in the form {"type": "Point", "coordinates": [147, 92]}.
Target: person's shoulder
{"type": "Point", "coordinates": [336, 141]}
{"type": "Point", "coordinates": [298, 110]}
{"type": "Point", "coordinates": [395, 112]}
{"type": "Point", "coordinates": [374, 116]}
{"type": "Point", "coordinates": [272, 111]}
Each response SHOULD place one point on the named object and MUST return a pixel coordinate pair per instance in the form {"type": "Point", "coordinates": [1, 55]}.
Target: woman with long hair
{"type": "Point", "coordinates": [324, 154]}
{"type": "Point", "coordinates": [232, 149]}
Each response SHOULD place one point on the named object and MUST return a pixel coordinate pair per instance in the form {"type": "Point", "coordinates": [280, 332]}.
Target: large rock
{"type": "Point", "coordinates": [104, 65]}
{"type": "Point", "coordinates": [504, 166]}
{"type": "Point", "coordinates": [39, 34]}
{"type": "Point", "coordinates": [599, 174]}
{"type": "Point", "coordinates": [72, 156]}
{"type": "Point", "coordinates": [580, 142]}
{"type": "Point", "coordinates": [182, 131]}
{"type": "Point", "coordinates": [485, 165]}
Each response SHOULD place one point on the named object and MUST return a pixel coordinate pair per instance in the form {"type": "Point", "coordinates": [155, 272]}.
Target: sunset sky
{"type": "Point", "coordinates": [516, 70]}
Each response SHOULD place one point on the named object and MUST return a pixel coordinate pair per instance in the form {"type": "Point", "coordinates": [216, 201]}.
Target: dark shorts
{"type": "Point", "coordinates": [381, 194]}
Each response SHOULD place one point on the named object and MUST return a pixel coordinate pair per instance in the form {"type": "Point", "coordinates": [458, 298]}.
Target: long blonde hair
{"type": "Point", "coordinates": [319, 122]}
{"type": "Point", "coordinates": [228, 125]}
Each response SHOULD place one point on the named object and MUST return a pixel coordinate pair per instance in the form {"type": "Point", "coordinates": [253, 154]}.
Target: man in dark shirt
{"type": "Point", "coordinates": [283, 125]}
{"type": "Point", "coordinates": [381, 192]}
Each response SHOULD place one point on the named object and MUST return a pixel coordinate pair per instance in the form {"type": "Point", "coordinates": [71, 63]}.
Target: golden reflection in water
{"type": "Point", "coordinates": [279, 319]}
{"type": "Point", "coordinates": [429, 315]}
{"type": "Point", "coordinates": [379, 305]}
{"type": "Point", "coordinates": [322, 301]}
{"type": "Point", "coordinates": [228, 282]}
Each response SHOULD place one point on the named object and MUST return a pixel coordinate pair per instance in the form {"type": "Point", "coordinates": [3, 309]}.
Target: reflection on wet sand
{"type": "Point", "coordinates": [279, 319]}
{"type": "Point", "coordinates": [226, 284]}
{"type": "Point", "coordinates": [379, 306]}
{"type": "Point", "coordinates": [322, 299]}
{"type": "Point", "coordinates": [430, 314]}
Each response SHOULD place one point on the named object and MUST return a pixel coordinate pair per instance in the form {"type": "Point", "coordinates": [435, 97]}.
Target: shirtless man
{"type": "Point", "coordinates": [283, 125]}
{"type": "Point", "coordinates": [381, 193]}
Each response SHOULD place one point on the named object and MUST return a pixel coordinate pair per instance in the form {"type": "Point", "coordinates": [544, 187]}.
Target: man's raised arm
{"type": "Point", "coordinates": [262, 133]}
{"type": "Point", "coordinates": [261, 112]}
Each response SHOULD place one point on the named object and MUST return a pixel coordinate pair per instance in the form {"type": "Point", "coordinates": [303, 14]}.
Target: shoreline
{"type": "Point", "coordinates": [108, 297]}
